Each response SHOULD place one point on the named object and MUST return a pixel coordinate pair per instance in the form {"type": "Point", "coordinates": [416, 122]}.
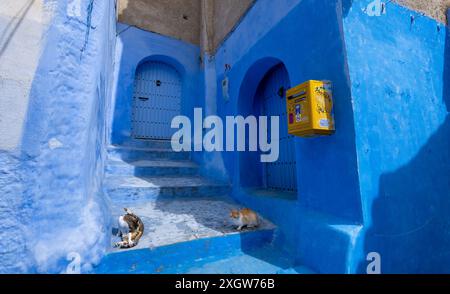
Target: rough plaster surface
{"type": "Point", "coordinates": [211, 21]}
{"type": "Point", "coordinates": [434, 8]}
{"type": "Point", "coordinates": [215, 19]}
{"type": "Point", "coordinates": [403, 141]}
{"type": "Point", "coordinates": [219, 18]}
{"type": "Point", "coordinates": [22, 24]}
{"type": "Point", "coordinates": [49, 184]}
{"type": "Point", "coordinates": [227, 13]}
{"type": "Point", "coordinates": [175, 18]}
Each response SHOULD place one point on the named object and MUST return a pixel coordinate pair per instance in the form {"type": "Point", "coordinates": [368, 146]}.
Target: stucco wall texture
{"type": "Point", "coordinates": [227, 14]}
{"type": "Point", "coordinates": [433, 8]}
{"type": "Point", "coordinates": [22, 25]}
{"type": "Point", "coordinates": [175, 18]}
{"type": "Point", "coordinates": [185, 19]}
{"type": "Point", "coordinates": [22, 36]}
{"type": "Point", "coordinates": [55, 73]}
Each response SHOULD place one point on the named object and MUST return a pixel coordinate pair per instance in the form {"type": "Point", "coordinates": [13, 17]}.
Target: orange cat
{"type": "Point", "coordinates": [244, 218]}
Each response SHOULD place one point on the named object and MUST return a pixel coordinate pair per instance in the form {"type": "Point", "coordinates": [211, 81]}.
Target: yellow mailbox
{"type": "Point", "coordinates": [310, 109]}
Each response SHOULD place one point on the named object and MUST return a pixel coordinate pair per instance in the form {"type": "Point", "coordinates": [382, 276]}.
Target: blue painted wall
{"type": "Point", "coordinates": [381, 182]}
{"type": "Point", "coordinates": [325, 197]}
{"type": "Point", "coordinates": [135, 46]}
{"type": "Point", "coordinates": [58, 169]}
{"type": "Point", "coordinates": [400, 97]}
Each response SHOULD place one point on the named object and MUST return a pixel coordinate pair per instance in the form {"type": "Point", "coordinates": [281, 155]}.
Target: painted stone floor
{"type": "Point", "coordinates": [264, 260]}
{"type": "Point", "coordinates": [174, 220]}
{"type": "Point", "coordinates": [197, 258]}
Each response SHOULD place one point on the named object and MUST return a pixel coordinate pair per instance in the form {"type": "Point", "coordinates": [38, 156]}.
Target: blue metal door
{"type": "Point", "coordinates": [279, 175]}
{"type": "Point", "coordinates": [156, 100]}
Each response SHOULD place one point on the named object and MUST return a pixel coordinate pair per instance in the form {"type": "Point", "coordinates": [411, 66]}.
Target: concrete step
{"type": "Point", "coordinates": [262, 260]}
{"type": "Point", "coordinates": [151, 167]}
{"type": "Point", "coordinates": [128, 153]}
{"type": "Point", "coordinates": [199, 256]}
{"type": "Point", "coordinates": [170, 221]}
{"type": "Point", "coordinates": [182, 257]}
{"type": "Point", "coordinates": [155, 144]}
{"type": "Point", "coordinates": [327, 230]}
{"type": "Point", "coordinates": [130, 188]}
{"type": "Point", "coordinates": [185, 235]}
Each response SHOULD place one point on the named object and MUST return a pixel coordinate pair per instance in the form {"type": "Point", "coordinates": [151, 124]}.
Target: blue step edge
{"type": "Point", "coordinates": [182, 257]}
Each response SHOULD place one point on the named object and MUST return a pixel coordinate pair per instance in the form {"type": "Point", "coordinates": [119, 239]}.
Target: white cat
{"type": "Point", "coordinates": [131, 229]}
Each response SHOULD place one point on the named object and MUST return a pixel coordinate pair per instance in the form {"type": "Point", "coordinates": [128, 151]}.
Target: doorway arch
{"type": "Point", "coordinates": [156, 100]}
{"type": "Point", "coordinates": [262, 93]}
{"type": "Point", "coordinates": [270, 98]}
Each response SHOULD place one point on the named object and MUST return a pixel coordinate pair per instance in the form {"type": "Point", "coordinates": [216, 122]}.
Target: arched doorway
{"type": "Point", "coordinates": [156, 100]}
{"type": "Point", "coordinates": [270, 101]}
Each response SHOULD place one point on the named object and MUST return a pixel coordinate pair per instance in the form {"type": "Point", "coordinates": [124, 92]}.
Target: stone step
{"type": "Point", "coordinates": [170, 221]}
{"type": "Point", "coordinates": [266, 259]}
{"type": "Point", "coordinates": [151, 167]}
{"type": "Point", "coordinates": [328, 230]}
{"type": "Point", "coordinates": [155, 144]}
{"type": "Point", "coordinates": [130, 188]}
{"type": "Point", "coordinates": [183, 233]}
{"type": "Point", "coordinates": [183, 257]}
{"type": "Point", "coordinates": [127, 153]}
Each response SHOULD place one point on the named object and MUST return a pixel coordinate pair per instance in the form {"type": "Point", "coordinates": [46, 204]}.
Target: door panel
{"type": "Point", "coordinates": [156, 100]}
{"type": "Point", "coordinates": [280, 175]}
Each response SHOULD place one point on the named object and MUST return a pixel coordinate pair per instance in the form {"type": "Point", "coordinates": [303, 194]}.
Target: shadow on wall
{"type": "Point", "coordinates": [10, 29]}
{"type": "Point", "coordinates": [62, 144]}
{"type": "Point", "coordinates": [411, 216]}
{"type": "Point", "coordinates": [346, 5]}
